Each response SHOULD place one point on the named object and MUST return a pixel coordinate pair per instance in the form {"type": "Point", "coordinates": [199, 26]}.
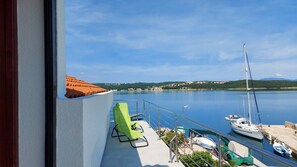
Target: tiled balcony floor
{"type": "Point", "coordinates": [122, 154]}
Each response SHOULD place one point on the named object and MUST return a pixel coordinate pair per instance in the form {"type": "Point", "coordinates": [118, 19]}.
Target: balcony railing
{"type": "Point", "coordinates": [163, 120]}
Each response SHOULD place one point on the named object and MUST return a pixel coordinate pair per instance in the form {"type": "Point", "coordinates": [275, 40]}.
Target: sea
{"type": "Point", "coordinates": [210, 107]}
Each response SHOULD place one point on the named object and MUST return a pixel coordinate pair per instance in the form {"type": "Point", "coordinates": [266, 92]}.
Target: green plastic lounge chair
{"type": "Point", "coordinates": [122, 125]}
{"type": "Point", "coordinates": [116, 120]}
{"type": "Point", "coordinates": [124, 108]}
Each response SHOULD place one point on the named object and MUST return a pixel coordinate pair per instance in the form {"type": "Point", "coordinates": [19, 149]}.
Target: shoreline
{"type": "Point", "coordinates": [229, 89]}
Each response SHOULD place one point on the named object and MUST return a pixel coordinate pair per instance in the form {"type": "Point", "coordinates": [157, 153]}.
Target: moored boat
{"type": "Point", "coordinates": [204, 141]}
{"type": "Point", "coordinates": [281, 149]}
{"type": "Point", "coordinates": [244, 127]}
{"type": "Point", "coordinates": [239, 124]}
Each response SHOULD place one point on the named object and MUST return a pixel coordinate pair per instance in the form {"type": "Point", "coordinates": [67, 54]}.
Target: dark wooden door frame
{"type": "Point", "coordinates": [50, 64]}
{"type": "Point", "coordinates": [8, 84]}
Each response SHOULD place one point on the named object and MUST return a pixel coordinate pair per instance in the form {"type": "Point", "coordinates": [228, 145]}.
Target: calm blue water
{"type": "Point", "coordinates": [211, 107]}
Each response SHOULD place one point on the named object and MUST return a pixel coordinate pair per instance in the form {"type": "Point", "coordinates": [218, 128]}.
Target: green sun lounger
{"type": "Point", "coordinates": [124, 108]}
{"type": "Point", "coordinates": [123, 126]}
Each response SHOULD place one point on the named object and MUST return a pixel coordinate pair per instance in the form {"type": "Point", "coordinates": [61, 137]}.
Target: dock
{"type": "Point", "coordinates": [282, 133]}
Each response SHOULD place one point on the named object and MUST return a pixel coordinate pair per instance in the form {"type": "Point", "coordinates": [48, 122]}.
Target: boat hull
{"type": "Point", "coordinates": [284, 154]}
{"type": "Point", "coordinates": [252, 134]}
{"type": "Point", "coordinates": [281, 150]}
{"type": "Point", "coordinates": [205, 142]}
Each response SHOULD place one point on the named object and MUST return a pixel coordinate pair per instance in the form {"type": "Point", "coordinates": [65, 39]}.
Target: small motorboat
{"type": "Point", "coordinates": [281, 149]}
{"type": "Point", "coordinates": [181, 129]}
{"type": "Point", "coordinates": [204, 141]}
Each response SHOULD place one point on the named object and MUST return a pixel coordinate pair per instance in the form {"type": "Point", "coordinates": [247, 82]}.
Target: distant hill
{"type": "Point", "coordinates": [270, 84]}
{"type": "Point", "coordinates": [276, 79]}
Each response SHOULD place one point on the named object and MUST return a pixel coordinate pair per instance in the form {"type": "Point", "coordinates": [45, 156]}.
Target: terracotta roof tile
{"type": "Point", "coordinates": [78, 88]}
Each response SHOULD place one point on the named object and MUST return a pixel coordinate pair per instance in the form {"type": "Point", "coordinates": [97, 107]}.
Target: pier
{"type": "Point", "coordinates": [282, 133]}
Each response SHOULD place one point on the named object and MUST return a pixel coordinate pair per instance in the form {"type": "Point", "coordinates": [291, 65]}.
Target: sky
{"type": "Point", "coordinates": [125, 41]}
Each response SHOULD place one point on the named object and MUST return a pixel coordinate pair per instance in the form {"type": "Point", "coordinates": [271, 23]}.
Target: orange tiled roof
{"type": "Point", "coordinates": [77, 88]}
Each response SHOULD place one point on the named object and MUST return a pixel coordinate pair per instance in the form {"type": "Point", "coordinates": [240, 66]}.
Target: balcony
{"type": "Point", "coordinates": [122, 154]}
{"type": "Point", "coordinates": [157, 120]}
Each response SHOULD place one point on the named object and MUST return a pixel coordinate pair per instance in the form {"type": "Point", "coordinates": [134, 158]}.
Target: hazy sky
{"type": "Point", "coordinates": [180, 40]}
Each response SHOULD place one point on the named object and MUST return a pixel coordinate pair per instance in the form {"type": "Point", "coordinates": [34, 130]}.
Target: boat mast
{"type": "Point", "coordinates": [253, 87]}
{"type": "Point", "coordinates": [247, 83]}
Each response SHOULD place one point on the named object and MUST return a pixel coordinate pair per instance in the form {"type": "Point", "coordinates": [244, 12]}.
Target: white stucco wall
{"type": "Point", "coordinates": [82, 129]}
{"type": "Point", "coordinates": [61, 49]}
{"type": "Point", "coordinates": [31, 83]}
{"type": "Point", "coordinates": [69, 132]}
{"type": "Point", "coordinates": [95, 127]}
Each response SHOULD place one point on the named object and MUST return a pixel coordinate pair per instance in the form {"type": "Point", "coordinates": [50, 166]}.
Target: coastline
{"type": "Point", "coordinates": [229, 89]}
{"type": "Point", "coordinates": [202, 85]}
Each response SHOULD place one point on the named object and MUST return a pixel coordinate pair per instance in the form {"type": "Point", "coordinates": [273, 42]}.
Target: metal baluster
{"type": "Point", "coordinates": [176, 139]}
{"type": "Point", "coordinates": [170, 151]}
{"type": "Point", "coordinates": [149, 114]}
{"type": "Point", "coordinates": [144, 112]}
{"type": "Point", "coordinates": [220, 152]}
{"type": "Point", "coordinates": [159, 119]}
{"type": "Point", "coordinates": [137, 110]}
{"type": "Point", "coordinates": [191, 137]}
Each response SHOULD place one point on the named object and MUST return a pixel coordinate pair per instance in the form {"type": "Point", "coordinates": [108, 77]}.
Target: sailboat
{"type": "Point", "coordinates": [242, 125]}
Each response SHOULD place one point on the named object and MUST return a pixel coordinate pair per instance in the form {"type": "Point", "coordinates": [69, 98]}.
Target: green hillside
{"type": "Point", "coordinates": [205, 85]}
